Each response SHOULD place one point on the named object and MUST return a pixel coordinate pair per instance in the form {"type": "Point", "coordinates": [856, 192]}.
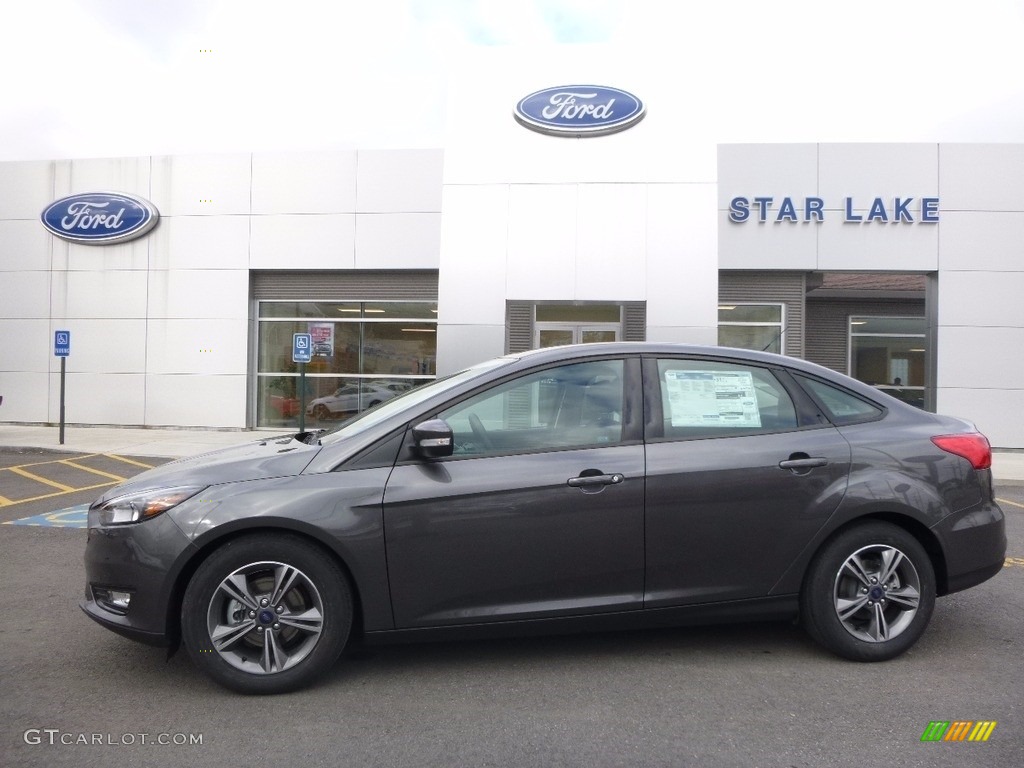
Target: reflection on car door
{"type": "Point", "coordinates": [724, 520]}
{"type": "Point", "coordinates": [539, 515]}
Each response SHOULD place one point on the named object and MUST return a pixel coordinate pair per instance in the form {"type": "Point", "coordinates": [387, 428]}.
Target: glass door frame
{"type": "Point", "coordinates": [576, 329]}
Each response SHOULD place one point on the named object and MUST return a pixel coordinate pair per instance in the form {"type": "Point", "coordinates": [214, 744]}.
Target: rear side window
{"type": "Point", "coordinates": [702, 398]}
{"type": "Point", "coordinates": [842, 407]}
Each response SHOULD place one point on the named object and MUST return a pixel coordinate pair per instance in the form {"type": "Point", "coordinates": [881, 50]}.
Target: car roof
{"type": "Point", "coordinates": [573, 351]}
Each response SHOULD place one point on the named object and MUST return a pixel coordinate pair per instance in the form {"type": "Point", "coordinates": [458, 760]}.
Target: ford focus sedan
{"type": "Point", "coordinates": [599, 486]}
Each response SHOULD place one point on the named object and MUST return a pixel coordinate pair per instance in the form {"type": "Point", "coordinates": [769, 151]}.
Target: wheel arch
{"type": "Point", "coordinates": [914, 527]}
{"type": "Point", "coordinates": [212, 543]}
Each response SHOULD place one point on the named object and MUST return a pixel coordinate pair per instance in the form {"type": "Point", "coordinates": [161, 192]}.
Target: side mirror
{"type": "Point", "coordinates": [433, 439]}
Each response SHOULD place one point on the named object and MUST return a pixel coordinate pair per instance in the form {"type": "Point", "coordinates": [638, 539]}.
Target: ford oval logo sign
{"type": "Point", "coordinates": [579, 110]}
{"type": "Point", "coordinates": [100, 217]}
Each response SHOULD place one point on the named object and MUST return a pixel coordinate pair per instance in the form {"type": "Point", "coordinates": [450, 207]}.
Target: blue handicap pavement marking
{"type": "Point", "coordinates": [72, 517]}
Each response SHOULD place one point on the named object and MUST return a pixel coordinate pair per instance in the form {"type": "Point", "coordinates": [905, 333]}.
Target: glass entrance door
{"type": "Point", "coordinates": [557, 324]}
{"type": "Point", "coordinates": [555, 334]}
{"type": "Point", "coordinates": [596, 335]}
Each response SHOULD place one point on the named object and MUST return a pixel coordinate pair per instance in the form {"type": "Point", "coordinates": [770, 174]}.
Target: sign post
{"type": "Point", "coordinates": [62, 349]}
{"type": "Point", "coordinates": [302, 353]}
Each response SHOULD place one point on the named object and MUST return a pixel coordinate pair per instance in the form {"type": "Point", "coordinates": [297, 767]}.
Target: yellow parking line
{"type": "Point", "coordinates": [62, 489]}
{"type": "Point", "coordinates": [128, 461]}
{"type": "Point", "coordinates": [56, 493]}
{"type": "Point", "coordinates": [43, 480]}
{"type": "Point", "coordinates": [51, 461]}
{"type": "Point", "coordinates": [71, 463]}
{"type": "Point", "coordinates": [1011, 503]}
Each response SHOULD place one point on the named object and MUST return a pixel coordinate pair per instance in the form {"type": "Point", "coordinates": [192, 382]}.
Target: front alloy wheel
{"type": "Point", "coordinates": [869, 593]}
{"type": "Point", "coordinates": [266, 614]}
{"type": "Point", "coordinates": [269, 607]}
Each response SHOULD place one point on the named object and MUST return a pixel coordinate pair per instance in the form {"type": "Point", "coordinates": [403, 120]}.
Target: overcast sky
{"type": "Point", "coordinates": [94, 78]}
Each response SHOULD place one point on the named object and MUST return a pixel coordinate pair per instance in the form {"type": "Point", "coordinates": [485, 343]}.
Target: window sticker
{"type": "Point", "coordinates": [712, 398]}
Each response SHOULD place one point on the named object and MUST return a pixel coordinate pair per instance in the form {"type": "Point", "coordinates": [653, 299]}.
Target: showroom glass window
{"type": "Point", "coordinates": [889, 353]}
{"type": "Point", "coordinates": [751, 326]}
{"type": "Point", "coordinates": [363, 353]}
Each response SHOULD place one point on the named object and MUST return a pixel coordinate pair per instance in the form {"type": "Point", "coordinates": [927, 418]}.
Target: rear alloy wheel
{"type": "Point", "coordinates": [266, 614]}
{"type": "Point", "coordinates": [869, 593]}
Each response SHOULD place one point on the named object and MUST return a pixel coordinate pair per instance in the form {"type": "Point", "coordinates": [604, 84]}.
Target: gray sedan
{"type": "Point", "coordinates": [590, 487]}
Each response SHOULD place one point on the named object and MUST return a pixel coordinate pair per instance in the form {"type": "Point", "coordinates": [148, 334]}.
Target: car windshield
{"type": "Point", "coordinates": [409, 399]}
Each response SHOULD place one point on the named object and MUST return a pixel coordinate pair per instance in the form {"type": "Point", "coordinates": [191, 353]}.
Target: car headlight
{"type": "Point", "coordinates": [134, 507]}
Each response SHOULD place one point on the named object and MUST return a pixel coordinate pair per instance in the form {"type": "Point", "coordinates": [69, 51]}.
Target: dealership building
{"type": "Point", "coordinates": [553, 213]}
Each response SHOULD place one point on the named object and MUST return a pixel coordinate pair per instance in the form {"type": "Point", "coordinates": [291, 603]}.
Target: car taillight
{"type": "Point", "coordinates": [972, 446]}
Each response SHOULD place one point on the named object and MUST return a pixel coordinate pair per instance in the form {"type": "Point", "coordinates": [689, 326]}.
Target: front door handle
{"type": "Point", "coordinates": [798, 462]}
{"type": "Point", "coordinates": [587, 481]}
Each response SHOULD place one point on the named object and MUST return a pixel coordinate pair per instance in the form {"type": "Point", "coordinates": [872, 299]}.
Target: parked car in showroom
{"type": "Point", "coordinates": [349, 399]}
{"type": "Point", "coordinates": [589, 487]}
{"type": "Point", "coordinates": [397, 386]}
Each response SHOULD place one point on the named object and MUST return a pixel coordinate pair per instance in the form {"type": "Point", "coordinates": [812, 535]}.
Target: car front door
{"type": "Point", "coordinates": [539, 511]}
{"type": "Point", "coordinates": [737, 482]}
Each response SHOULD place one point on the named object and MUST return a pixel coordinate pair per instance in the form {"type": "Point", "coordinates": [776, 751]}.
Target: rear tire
{"type": "Point", "coordinates": [266, 613]}
{"type": "Point", "coordinates": [869, 593]}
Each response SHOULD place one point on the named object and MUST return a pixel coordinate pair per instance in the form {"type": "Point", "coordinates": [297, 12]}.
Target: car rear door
{"type": "Point", "coordinates": [738, 481]}
{"type": "Point", "coordinates": [539, 513]}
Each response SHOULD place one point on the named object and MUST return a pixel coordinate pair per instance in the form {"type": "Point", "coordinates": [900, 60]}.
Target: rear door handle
{"type": "Point", "coordinates": [587, 481]}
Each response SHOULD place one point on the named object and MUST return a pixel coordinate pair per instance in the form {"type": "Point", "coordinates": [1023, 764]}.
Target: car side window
{"type": "Point", "coordinates": [704, 398]}
{"type": "Point", "coordinates": [565, 407]}
{"type": "Point", "coordinates": [843, 407]}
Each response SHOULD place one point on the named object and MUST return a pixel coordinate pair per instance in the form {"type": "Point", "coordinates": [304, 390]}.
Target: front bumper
{"type": "Point", "coordinates": [117, 624]}
{"type": "Point", "coordinates": [974, 543]}
{"type": "Point", "coordinates": [143, 559]}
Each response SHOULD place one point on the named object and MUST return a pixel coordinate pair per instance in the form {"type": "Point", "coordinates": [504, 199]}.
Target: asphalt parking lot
{"type": "Point", "coordinates": [74, 694]}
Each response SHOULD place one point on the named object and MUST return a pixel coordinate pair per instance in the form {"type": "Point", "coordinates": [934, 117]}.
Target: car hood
{"type": "Point", "coordinates": [274, 457]}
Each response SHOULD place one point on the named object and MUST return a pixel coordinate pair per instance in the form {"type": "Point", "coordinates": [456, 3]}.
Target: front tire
{"type": "Point", "coordinates": [266, 614]}
{"type": "Point", "coordinates": [869, 593]}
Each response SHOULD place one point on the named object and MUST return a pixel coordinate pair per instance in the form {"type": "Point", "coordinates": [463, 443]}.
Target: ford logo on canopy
{"type": "Point", "coordinates": [579, 110]}
{"type": "Point", "coordinates": [100, 217]}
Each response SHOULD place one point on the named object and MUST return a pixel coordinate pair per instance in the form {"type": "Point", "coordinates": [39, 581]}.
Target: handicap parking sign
{"type": "Point", "coordinates": [302, 347]}
{"type": "Point", "coordinates": [62, 343]}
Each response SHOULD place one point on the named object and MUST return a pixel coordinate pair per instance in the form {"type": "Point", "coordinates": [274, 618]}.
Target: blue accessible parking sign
{"type": "Point", "coordinates": [302, 347]}
{"type": "Point", "coordinates": [62, 343]}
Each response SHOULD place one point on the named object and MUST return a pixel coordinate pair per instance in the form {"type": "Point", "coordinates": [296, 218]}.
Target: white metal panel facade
{"type": "Point", "coordinates": [159, 325]}
{"type": "Point", "coordinates": [975, 250]}
{"type": "Point", "coordinates": [527, 216]}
